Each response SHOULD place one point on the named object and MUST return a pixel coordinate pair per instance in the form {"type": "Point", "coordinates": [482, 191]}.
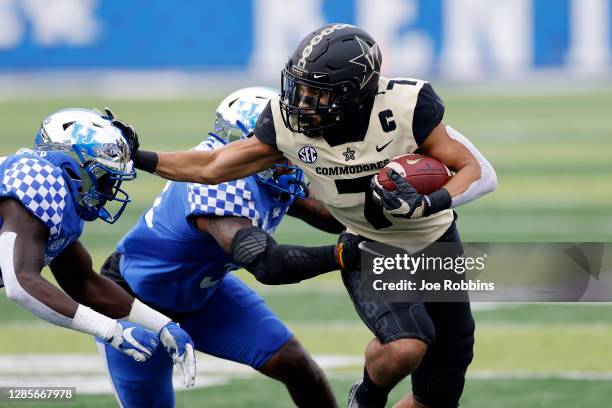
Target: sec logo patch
{"type": "Point", "coordinates": [307, 154]}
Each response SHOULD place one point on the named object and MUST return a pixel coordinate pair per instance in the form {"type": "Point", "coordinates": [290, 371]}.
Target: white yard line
{"type": "Point", "coordinates": [88, 374]}
{"type": "Point", "coordinates": [540, 375]}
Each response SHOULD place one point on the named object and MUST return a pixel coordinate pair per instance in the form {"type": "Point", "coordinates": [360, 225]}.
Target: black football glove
{"type": "Point", "coordinates": [348, 254]}
{"type": "Point", "coordinates": [405, 201]}
{"type": "Point", "coordinates": [128, 132]}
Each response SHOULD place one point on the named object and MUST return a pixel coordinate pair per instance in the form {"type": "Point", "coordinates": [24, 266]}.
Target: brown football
{"type": "Point", "coordinates": [426, 174]}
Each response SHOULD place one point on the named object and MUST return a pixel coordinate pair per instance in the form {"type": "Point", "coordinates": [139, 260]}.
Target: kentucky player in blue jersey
{"type": "Point", "coordinates": [79, 160]}
{"type": "Point", "coordinates": [179, 255]}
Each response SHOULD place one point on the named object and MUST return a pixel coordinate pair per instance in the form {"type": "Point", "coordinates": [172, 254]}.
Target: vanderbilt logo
{"type": "Point", "coordinates": [360, 168]}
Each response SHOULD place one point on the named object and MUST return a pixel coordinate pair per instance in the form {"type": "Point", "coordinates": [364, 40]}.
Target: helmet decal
{"type": "Point", "coordinates": [317, 39]}
{"type": "Point", "coordinates": [369, 59]}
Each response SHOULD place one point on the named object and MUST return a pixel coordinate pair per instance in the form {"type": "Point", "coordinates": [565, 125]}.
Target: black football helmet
{"type": "Point", "coordinates": [328, 78]}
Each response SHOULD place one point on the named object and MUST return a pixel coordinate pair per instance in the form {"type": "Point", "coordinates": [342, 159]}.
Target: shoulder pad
{"type": "Point", "coordinates": [40, 187]}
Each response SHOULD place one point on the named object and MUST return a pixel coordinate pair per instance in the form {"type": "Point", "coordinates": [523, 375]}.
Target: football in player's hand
{"type": "Point", "coordinates": [424, 173]}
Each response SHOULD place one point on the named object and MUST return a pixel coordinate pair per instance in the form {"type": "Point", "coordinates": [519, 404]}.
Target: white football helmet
{"type": "Point", "coordinates": [98, 148]}
{"type": "Point", "coordinates": [237, 116]}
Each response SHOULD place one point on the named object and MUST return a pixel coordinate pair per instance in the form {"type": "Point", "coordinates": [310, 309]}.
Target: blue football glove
{"type": "Point", "coordinates": [134, 340]}
{"type": "Point", "coordinates": [405, 201]}
{"type": "Point", "coordinates": [179, 345]}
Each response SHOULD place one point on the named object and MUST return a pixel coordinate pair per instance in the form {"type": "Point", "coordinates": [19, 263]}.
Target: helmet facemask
{"type": "Point", "coordinates": [102, 185]}
{"type": "Point", "coordinates": [284, 179]}
{"type": "Point", "coordinates": [309, 107]}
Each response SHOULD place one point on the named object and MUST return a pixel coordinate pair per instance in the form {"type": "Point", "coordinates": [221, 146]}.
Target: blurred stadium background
{"type": "Point", "coordinates": [527, 80]}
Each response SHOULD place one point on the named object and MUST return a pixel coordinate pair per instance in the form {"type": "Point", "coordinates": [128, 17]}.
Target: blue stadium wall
{"type": "Point", "coordinates": [428, 36]}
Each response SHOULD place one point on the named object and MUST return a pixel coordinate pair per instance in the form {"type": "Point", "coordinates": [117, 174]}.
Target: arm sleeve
{"type": "Point", "coordinates": [231, 199]}
{"type": "Point", "coordinates": [428, 113]}
{"type": "Point", "coordinates": [275, 264]}
{"type": "Point", "coordinates": [40, 188]}
{"type": "Point", "coordinates": [264, 128]}
{"type": "Point", "coordinates": [488, 178]}
{"type": "Point", "coordinates": [84, 320]}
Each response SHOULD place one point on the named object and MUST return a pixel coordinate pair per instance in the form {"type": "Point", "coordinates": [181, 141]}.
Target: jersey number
{"type": "Point", "coordinates": [372, 211]}
{"type": "Point", "coordinates": [149, 215]}
{"type": "Point", "coordinates": [386, 116]}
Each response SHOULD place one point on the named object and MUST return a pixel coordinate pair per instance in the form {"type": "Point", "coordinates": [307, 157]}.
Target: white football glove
{"type": "Point", "coordinates": [179, 345]}
{"type": "Point", "coordinates": [134, 340]}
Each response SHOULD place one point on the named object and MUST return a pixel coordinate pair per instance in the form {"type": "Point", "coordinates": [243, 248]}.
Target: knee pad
{"type": "Point", "coordinates": [458, 354]}
{"type": "Point", "coordinates": [444, 389]}
{"type": "Point", "coordinates": [441, 376]}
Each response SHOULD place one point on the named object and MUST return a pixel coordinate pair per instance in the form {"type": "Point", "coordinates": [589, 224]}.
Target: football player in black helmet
{"type": "Point", "coordinates": [320, 90]}
{"type": "Point", "coordinates": [341, 122]}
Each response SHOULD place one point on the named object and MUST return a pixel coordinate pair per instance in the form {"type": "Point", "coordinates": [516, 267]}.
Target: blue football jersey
{"type": "Point", "coordinates": [42, 190]}
{"type": "Point", "coordinates": [168, 262]}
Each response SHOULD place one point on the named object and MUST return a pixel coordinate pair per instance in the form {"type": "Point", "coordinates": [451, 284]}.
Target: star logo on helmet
{"type": "Point", "coordinates": [369, 59]}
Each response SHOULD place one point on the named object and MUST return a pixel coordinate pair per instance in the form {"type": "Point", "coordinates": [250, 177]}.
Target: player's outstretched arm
{"type": "Point", "coordinates": [236, 160]}
{"type": "Point", "coordinates": [22, 248]}
{"type": "Point", "coordinates": [312, 211]}
{"type": "Point", "coordinates": [272, 263]}
{"type": "Point", "coordinates": [74, 272]}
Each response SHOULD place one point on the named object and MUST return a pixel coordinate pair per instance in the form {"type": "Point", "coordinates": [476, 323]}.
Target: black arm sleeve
{"type": "Point", "coordinates": [275, 264]}
{"type": "Point", "coordinates": [264, 128]}
{"type": "Point", "coordinates": [428, 112]}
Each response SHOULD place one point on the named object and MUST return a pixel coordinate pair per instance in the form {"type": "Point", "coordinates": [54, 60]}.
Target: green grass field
{"type": "Point", "coordinates": [553, 155]}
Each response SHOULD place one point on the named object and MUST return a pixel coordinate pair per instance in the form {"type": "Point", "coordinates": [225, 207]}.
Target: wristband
{"type": "Point", "coordinates": [145, 160]}
{"type": "Point", "coordinates": [147, 317]}
{"type": "Point", "coordinates": [91, 322]}
{"type": "Point", "coordinates": [438, 201]}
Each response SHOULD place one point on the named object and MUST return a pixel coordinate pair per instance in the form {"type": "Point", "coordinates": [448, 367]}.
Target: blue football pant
{"type": "Point", "coordinates": [235, 324]}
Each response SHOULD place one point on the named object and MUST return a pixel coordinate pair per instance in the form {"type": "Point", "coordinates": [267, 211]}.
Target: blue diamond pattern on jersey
{"type": "Point", "coordinates": [223, 200]}
{"type": "Point", "coordinates": [168, 262]}
{"type": "Point", "coordinates": [40, 188]}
